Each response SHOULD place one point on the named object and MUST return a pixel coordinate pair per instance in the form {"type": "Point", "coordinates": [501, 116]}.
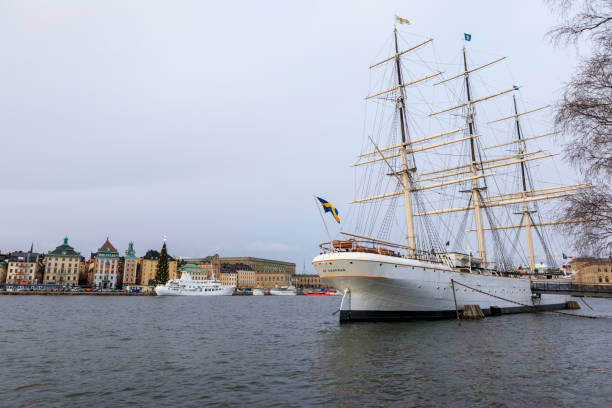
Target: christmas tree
{"type": "Point", "coordinates": [161, 276]}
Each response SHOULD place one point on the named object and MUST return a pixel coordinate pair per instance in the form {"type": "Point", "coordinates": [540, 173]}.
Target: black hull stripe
{"type": "Point", "coordinates": [391, 315]}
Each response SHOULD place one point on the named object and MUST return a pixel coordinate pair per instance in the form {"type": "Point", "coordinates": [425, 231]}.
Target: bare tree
{"type": "Point", "coordinates": [584, 112]}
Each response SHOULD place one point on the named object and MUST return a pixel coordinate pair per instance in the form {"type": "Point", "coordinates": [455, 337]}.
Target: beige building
{"type": "Point", "coordinates": [268, 273]}
{"type": "Point", "coordinates": [308, 281]}
{"type": "Point", "coordinates": [24, 268]}
{"type": "Point", "coordinates": [130, 266]}
{"type": "Point", "coordinates": [62, 265]}
{"type": "Point", "coordinates": [592, 271]}
{"type": "Point", "coordinates": [246, 278]}
{"type": "Point", "coordinates": [195, 271]}
{"type": "Point", "coordinates": [229, 278]}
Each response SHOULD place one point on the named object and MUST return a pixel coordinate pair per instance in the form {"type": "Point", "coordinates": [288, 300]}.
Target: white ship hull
{"type": "Point", "coordinates": [185, 286]}
{"type": "Point", "coordinates": [282, 292]}
{"type": "Point", "coordinates": [380, 287]}
{"type": "Point", "coordinates": [166, 291]}
{"type": "Point", "coordinates": [258, 292]}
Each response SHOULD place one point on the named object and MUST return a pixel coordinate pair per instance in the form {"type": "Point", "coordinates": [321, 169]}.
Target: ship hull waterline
{"type": "Point", "coordinates": [380, 287]}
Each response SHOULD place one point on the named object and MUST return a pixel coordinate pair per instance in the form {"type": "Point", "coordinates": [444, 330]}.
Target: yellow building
{"type": "Point", "coordinates": [62, 265]}
{"type": "Point", "coordinates": [592, 271]}
{"type": "Point", "coordinates": [149, 268]}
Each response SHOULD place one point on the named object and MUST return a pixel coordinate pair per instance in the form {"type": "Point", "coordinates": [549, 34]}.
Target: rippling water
{"type": "Point", "coordinates": [290, 351]}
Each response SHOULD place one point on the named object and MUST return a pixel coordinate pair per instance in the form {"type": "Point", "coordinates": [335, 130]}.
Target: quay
{"type": "Point", "coordinates": [573, 289]}
{"type": "Point", "coordinates": [69, 293]}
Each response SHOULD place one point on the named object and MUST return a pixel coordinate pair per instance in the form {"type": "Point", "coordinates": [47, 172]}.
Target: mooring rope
{"type": "Point", "coordinates": [535, 309]}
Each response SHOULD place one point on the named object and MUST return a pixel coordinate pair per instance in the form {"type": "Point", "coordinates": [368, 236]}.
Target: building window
{"type": "Point", "coordinates": [600, 280]}
{"type": "Point", "coordinates": [607, 279]}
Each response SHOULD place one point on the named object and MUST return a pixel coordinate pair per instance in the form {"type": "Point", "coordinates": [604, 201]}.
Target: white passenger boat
{"type": "Point", "coordinates": [258, 292]}
{"type": "Point", "coordinates": [185, 286]}
{"type": "Point", "coordinates": [420, 278]}
{"type": "Point", "coordinates": [283, 291]}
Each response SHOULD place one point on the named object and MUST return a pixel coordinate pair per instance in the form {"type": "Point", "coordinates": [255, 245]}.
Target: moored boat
{"type": "Point", "coordinates": [421, 279]}
{"type": "Point", "coordinates": [185, 286]}
{"type": "Point", "coordinates": [283, 291]}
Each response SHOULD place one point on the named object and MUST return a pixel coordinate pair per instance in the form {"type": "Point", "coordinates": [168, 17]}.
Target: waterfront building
{"type": "Point", "coordinates": [106, 268]}
{"type": "Point", "coordinates": [308, 281]}
{"type": "Point", "coordinates": [83, 272]}
{"type": "Point", "coordinates": [244, 275]}
{"type": "Point", "coordinates": [149, 268]}
{"type": "Point", "coordinates": [211, 265]}
{"type": "Point", "coordinates": [592, 271]}
{"type": "Point", "coordinates": [268, 273]}
{"type": "Point", "coordinates": [229, 278]}
{"type": "Point", "coordinates": [194, 271]}
{"type": "Point", "coordinates": [130, 266]}
{"type": "Point", "coordinates": [246, 278]}
{"type": "Point", "coordinates": [90, 269]}
{"type": "Point", "coordinates": [3, 270]}
{"type": "Point", "coordinates": [24, 267]}
{"type": "Point", "coordinates": [62, 265]}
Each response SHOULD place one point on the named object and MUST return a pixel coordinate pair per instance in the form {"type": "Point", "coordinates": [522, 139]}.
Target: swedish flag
{"type": "Point", "coordinates": [401, 20]}
{"type": "Point", "coordinates": [468, 37]}
{"type": "Point", "coordinates": [329, 208]}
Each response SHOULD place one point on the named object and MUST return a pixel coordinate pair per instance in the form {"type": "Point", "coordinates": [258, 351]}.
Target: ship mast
{"type": "Point", "coordinates": [526, 212]}
{"type": "Point", "coordinates": [475, 189]}
{"type": "Point", "coordinates": [405, 176]}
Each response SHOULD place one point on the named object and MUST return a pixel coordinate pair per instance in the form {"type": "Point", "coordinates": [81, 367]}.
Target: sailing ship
{"type": "Point", "coordinates": [422, 278]}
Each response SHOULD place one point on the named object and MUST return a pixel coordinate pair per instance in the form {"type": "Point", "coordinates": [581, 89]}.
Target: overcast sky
{"type": "Point", "coordinates": [211, 122]}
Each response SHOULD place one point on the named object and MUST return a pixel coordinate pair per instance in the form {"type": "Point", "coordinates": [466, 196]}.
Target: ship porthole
{"type": "Point", "coordinates": [350, 262]}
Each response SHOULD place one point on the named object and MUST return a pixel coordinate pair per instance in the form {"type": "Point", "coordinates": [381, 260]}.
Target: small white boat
{"type": "Point", "coordinates": [185, 286]}
{"type": "Point", "coordinates": [258, 292]}
{"type": "Point", "coordinates": [284, 291]}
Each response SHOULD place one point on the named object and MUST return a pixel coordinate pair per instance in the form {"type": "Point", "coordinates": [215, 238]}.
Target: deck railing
{"type": "Point", "coordinates": [372, 247]}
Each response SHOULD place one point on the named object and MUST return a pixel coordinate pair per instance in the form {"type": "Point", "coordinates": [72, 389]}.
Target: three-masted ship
{"type": "Point", "coordinates": [422, 278]}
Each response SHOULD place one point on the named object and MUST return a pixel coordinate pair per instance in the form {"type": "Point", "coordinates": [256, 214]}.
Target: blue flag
{"type": "Point", "coordinates": [468, 37]}
{"type": "Point", "coordinates": [564, 256]}
{"type": "Point", "coordinates": [329, 208]}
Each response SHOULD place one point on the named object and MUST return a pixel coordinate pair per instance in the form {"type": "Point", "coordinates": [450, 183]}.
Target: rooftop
{"type": "Point", "coordinates": [252, 259]}
{"type": "Point", "coordinates": [107, 247]}
{"type": "Point", "coordinates": [64, 250]}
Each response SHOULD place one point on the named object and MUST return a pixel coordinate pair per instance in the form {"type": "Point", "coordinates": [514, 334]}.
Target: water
{"type": "Point", "coordinates": [290, 351]}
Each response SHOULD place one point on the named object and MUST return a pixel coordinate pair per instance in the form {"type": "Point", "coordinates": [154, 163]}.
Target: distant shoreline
{"type": "Point", "coordinates": [49, 293]}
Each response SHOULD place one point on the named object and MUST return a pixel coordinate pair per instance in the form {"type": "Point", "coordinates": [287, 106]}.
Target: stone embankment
{"type": "Point", "coordinates": [50, 293]}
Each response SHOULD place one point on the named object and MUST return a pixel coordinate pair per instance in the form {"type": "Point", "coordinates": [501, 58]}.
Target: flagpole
{"type": "Point", "coordinates": [318, 204]}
